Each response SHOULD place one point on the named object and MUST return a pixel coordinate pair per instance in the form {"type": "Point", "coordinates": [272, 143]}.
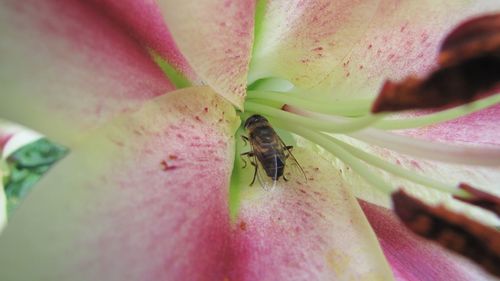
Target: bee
{"type": "Point", "coordinates": [268, 152]}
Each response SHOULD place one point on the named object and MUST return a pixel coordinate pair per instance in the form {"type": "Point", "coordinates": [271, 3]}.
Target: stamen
{"type": "Point", "coordinates": [480, 198]}
{"type": "Point", "coordinates": [351, 108]}
{"type": "Point", "coordinates": [391, 168]}
{"type": "Point", "coordinates": [320, 125]}
{"type": "Point", "coordinates": [399, 171]}
{"type": "Point", "coordinates": [438, 117]}
{"type": "Point", "coordinates": [453, 231]}
{"type": "Point", "coordinates": [328, 117]}
{"type": "Point", "coordinates": [415, 147]}
{"type": "Point", "coordinates": [456, 154]}
{"type": "Point", "coordinates": [339, 152]}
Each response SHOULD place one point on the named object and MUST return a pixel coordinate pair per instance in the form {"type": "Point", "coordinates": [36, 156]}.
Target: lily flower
{"type": "Point", "coordinates": [154, 187]}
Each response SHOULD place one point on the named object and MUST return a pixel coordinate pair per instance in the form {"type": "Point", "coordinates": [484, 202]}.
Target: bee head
{"type": "Point", "coordinates": [254, 119]}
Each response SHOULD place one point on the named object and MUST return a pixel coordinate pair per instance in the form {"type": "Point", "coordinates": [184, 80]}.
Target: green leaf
{"type": "Point", "coordinates": [26, 166]}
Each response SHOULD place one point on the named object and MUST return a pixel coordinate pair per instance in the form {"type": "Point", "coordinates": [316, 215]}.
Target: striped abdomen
{"type": "Point", "coordinates": [268, 150]}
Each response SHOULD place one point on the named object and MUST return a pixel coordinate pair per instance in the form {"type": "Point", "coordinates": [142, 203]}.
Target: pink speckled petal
{"type": "Point", "coordinates": [143, 20]}
{"type": "Point", "coordinates": [479, 128]}
{"type": "Point", "coordinates": [348, 48]}
{"type": "Point", "coordinates": [403, 39]}
{"type": "Point", "coordinates": [144, 198]}
{"type": "Point", "coordinates": [302, 41]}
{"type": "Point", "coordinates": [65, 67]}
{"type": "Point", "coordinates": [413, 258]}
{"type": "Point", "coordinates": [312, 231]}
{"type": "Point", "coordinates": [216, 38]}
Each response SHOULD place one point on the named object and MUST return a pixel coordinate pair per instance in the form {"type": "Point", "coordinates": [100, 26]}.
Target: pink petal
{"type": "Point", "coordinates": [66, 68]}
{"type": "Point", "coordinates": [303, 41]}
{"type": "Point", "coordinates": [349, 48]}
{"type": "Point", "coordinates": [144, 198]}
{"type": "Point", "coordinates": [216, 38]}
{"type": "Point", "coordinates": [413, 258]}
{"type": "Point", "coordinates": [143, 20]}
{"type": "Point", "coordinates": [403, 39]}
{"type": "Point", "coordinates": [312, 231]}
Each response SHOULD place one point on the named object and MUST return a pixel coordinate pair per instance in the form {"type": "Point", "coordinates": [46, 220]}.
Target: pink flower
{"type": "Point", "coordinates": [145, 192]}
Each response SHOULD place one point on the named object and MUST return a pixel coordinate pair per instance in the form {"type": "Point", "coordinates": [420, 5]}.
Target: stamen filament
{"type": "Point", "coordinates": [339, 152]}
{"type": "Point", "coordinates": [423, 149]}
{"type": "Point", "coordinates": [399, 171]}
{"type": "Point", "coordinates": [353, 108]}
{"type": "Point", "coordinates": [438, 117]}
{"type": "Point", "coordinates": [320, 125]}
{"type": "Point", "coordinates": [456, 154]}
{"type": "Point", "coordinates": [327, 117]}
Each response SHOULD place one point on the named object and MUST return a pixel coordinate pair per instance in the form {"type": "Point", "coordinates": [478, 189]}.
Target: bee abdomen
{"type": "Point", "coordinates": [273, 165]}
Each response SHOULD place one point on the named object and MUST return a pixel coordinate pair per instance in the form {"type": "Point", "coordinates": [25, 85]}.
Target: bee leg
{"type": "Point", "coordinates": [254, 172]}
{"type": "Point", "coordinates": [245, 140]}
{"type": "Point", "coordinates": [247, 154]}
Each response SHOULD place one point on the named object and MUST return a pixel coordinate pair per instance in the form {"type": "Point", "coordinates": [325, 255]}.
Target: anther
{"type": "Point", "coordinates": [480, 35]}
{"type": "Point", "coordinates": [469, 69]}
{"type": "Point", "coordinates": [454, 231]}
{"type": "Point", "coordinates": [480, 198]}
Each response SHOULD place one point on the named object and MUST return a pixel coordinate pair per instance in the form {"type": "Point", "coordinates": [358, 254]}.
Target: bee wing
{"type": "Point", "coordinates": [292, 169]}
{"type": "Point", "coordinates": [265, 181]}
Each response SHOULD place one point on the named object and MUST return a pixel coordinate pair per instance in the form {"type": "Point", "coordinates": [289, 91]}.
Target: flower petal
{"type": "Point", "coordinates": [311, 231]}
{"type": "Point", "coordinates": [403, 38]}
{"type": "Point", "coordinates": [303, 41]}
{"type": "Point", "coordinates": [216, 38]}
{"type": "Point", "coordinates": [144, 198]}
{"type": "Point", "coordinates": [413, 258]}
{"type": "Point", "coordinates": [144, 21]}
{"type": "Point", "coordinates": [348, 48]}
{"type": "Point", "coordinates": [66, 68]}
